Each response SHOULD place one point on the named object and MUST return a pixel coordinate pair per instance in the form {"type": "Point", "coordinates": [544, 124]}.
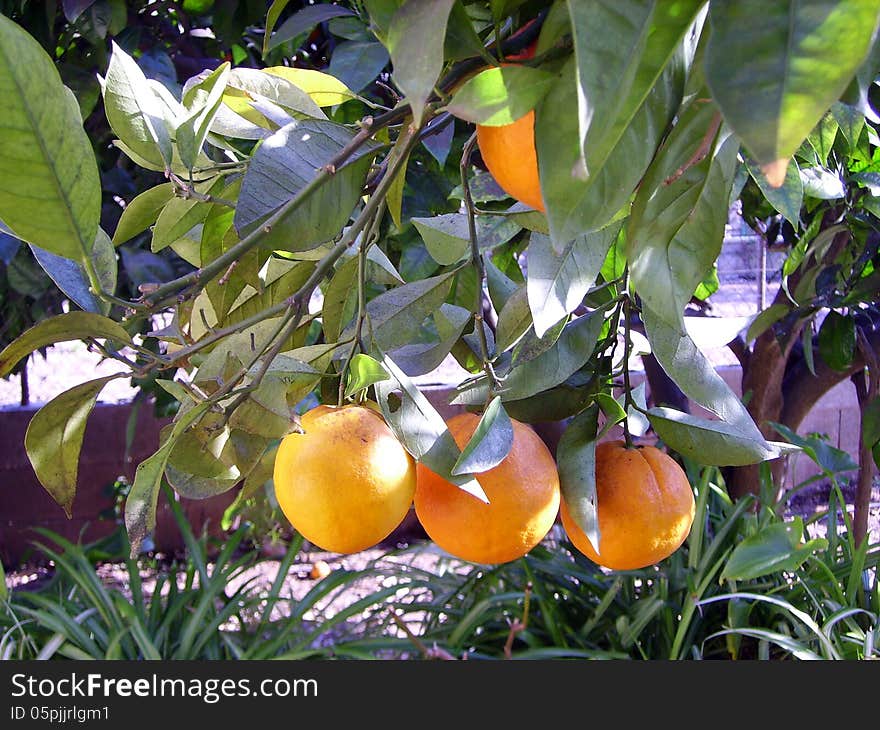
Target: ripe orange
{"type": "Point", "coordinates": [523, 492]}
{"type": "Point", "coordinates": [346, 482]}
{"type": "Point", "coordinates": [646, 507]}
{"type": "Point", "coordinates": [509, 153]}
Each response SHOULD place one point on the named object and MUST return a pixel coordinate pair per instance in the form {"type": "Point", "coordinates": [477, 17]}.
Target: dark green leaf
{"type": "Point", "coordinates": [557, 282]}
{"type": "Point", "coordinates": [621, 49]}
{"type": "Point", "coordinates": [571, 351]}
{"type": "Point", "coordinates": [709, 442]}
{"type": "Point", "coordinates": [415, 42]}
{"type": "Point", "coordinates": [71, 277]}
{"type": "Point", "coordinates": [514, 320]}
{"type": "Point", "coordinates": [775, 79]}
{"type": "Point", "coordinates": [499, 96]}
{"type": "Point", "coordinates": [358, 63]}
{"type": "Point", "coordinates": [691, 370]}
{"type": "Point", "coordinates": [676, 227]}
{"type": "Point", "coordinates": [490, 443]}
{"type": "Point", "coordinates": [775, 548]}
{"type": "Point", "coordinates": [54, 438]}
{"type": "Point", "coordinates": [422, 430]}
{"type": "Point", "coordinates": [871, 423]}
{"type": "Point", "coordinates": [766, 319]}
{"type": "Point", "coordinates": [576, 457]}
{"type": "Point", "coordinates": [419, 358]}
{"type": "Point", "coordinates": [832, 460]}
{"type": "Point", "coordinates": [50, 192]}
{"type": "Point", "coordinates": [786, 198]}
{"type": "Point", "coordinates": [282, 166]}
{"type": "Point", "coordinates": [301, 21]}
{"type": "Point", "coordinates": [61, 328]}
{"type": "Point", "coordinates": [837, 341]}
{"type": "Point", "coordinates": [576, 205]}
{"type": "Point", "coordinates": [395, 316]}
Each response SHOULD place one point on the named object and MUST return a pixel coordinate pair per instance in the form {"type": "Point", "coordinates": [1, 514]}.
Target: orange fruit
{"type": "Point", "coordinates": [509, 153]}
{"type": "Point", "coordinates": [346, 482]}
{"type": "Point", "coordinates": [646, 507]}
{"type": "Point", "coordinates": [523, 492]}
{"type": "Point", "coordinates": [320, 569]}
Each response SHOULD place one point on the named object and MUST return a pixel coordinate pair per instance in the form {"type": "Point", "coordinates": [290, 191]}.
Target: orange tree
{"type": "Point", "coordinates": [311, 199]}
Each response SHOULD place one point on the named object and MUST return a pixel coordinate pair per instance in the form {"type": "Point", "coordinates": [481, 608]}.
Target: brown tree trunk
{"type": "Point", "coordinates": [866, 390]}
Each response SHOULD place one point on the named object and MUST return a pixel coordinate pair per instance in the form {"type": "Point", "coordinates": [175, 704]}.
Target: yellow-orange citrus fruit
{"type": "Point", "coordinates": [320, 569]}
{"type": "Point", "coordinates": [346, 482]}
{"type": "Point", "coordinates": [523, 492]}
{"type": "Point", "coordinates": [646, 507]}
{"type": "Point", "coordinates": [509, 153]}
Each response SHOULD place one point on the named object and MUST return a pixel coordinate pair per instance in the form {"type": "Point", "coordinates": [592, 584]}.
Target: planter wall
{"type": "Point", "coordinates": [24, 504]}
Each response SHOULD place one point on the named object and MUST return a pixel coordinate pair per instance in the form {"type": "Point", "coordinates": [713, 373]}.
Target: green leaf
{"type": "Point", "coordinates": [837, 341]}
{"type": "Point", "coordinates": [421, 429]}
{"type": "Point", "coordinates": [394, 317]}
{"type": "Point", "coordinates": [50, 192]}
{"type": "Point", "coordinates": [613, 410]}
{"type": "Point", "coordinates": [765, 320]}
{"type": "Point", "coordinates": [676, 227]}
{"type": "Point", "coordinates": [514, 320]}
{"type": "Point", "coordinates": [822, 183]}
{"type": "Point", "coordinates": [558, 282]}
{"type": "Point", "coordinates": [363, 371]}
{"type": "Point", "coordinates": [180, 215]}
{"type": "Point", "coordinates": [61, 328]}
{"type": "Point", "coordinates": [490, 443]}
{"type": "Point", "coordinates": [570, 353]}
{"type": "Point", "coordinates": [142, 212]}
{"type": "Point", "coordinates": [787, 198]}
{"type": "Point", "coordinates": [871, 423]}
{"type": "Point", "coordinates": [340, 299]}
{"type": "Point", "coordinates": [202, 101]}
{"type": "Point", "coordinates": [775, 548]}
{"type": "Point", "coordinates": [832, 460]}
{"type": "Point", "coordinates": [709, 442]}
{"type": "Point", "coordinates": [775, 79]}
{"type": "Point", "coordinates": [287, 162]}
{"type": "Point", "coordinates": [446, 237]}
{"type": "Point", "coordinates": [358, 63]}
{"type": "Point", "coordinates": [419, 358]}
{"type": "Point", "coordinates": [264, 85]}
{"type": "Point", "coordinates": [499, 96]}
{"type": "Point", "coordinates": [134, 111]}
{"type": "Point", "coordinates": [621, 48]}
{"type": "Point", "coordinates": [70, 276]}
{"type": "Point", "coordinates": [265, 412]}
{"type": "Point", "coordinates": [300, 22]}
{"type": "Point", "coordinates": [415, 42]}
{"type": "Point", "coordinates": [275, 9]}
{"type": "Point", "coordinates": [54, 438]}
{"type": "Point", "coordinates": [691, 371]}
{"type": "Point", "coordinates": [140, 505]}
{"type": "Point", "coordinates": [576, 459]}
{"type": "Point", "coordinates": [576, 205]}
{"type": "Point", "coordinates": [325, 90]}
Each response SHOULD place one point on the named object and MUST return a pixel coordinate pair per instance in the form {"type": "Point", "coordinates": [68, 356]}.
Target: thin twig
{"type": "Point", "coordinates": [517, 626]}
{"type": "Point", "coordinates": [477, 261]}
